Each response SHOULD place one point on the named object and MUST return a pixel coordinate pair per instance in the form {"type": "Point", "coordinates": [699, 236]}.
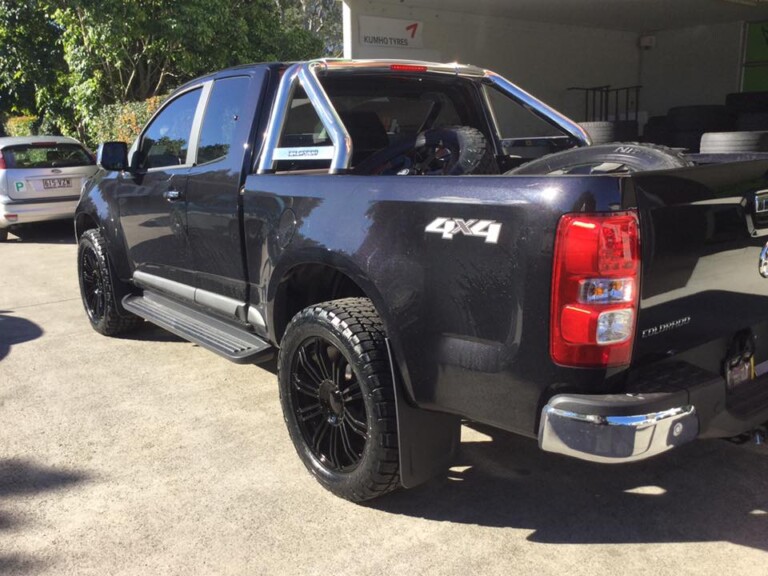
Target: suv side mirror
{"type": "Point", "coordinates": [112, 155]}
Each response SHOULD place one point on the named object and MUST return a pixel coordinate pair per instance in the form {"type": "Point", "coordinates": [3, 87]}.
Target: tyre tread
{"type": "Point", "coordinates": [357, 320]}
{"type": "Point", "coordinates": [116, 320]}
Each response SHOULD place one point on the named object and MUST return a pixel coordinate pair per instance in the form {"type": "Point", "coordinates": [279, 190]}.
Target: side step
{"type": "Point", "coordinates": [232, 342]}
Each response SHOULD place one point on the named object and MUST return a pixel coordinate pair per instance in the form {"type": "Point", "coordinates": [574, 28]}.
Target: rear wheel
{"type": "Point", "coordinates": [337, 396]}
{"type": "Point", "coordinates": [3, 234]}
{"type": "Point", "coordinates": [98, 285]}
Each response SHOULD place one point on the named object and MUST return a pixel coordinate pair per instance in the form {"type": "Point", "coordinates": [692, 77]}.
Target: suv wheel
{"type": "Point", "coordinates": [97, 288]}
{"type": "Point", "coordinates": [338, 399]}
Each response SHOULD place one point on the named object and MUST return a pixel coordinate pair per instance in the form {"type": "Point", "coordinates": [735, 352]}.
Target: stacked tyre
{"type": "Point", "coordinates": [734, 142]}
{"type": "Point", "coordinates": [605, 132]}
{"type": "Point", "coordinates": [687, 124]}
{"type": "Point", "coordinates": [750, 110]}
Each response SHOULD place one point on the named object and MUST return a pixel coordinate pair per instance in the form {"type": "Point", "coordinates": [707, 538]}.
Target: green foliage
{"type": "Point", "coordinates": [21, 126]}
{"type": "Point", "coordinates": [65, 60]}
{"type": "Point", "coordinates": [322, 18]}
{"type": "Point", "coordinates": [121, 122]}
{"type": "Point", "coordinates": [31, 59]}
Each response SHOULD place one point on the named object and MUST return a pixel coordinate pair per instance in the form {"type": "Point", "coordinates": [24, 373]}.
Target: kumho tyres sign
{"type": "Point", "coordinates": [390, 32]}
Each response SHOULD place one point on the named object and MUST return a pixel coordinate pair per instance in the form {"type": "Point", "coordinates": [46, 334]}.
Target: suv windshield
{"type": "Point", "coordinates": [46, 155]}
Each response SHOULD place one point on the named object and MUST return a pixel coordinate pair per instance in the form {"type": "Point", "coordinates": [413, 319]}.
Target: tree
{"type": "Point", "coordinates": [32, 66]}
{"type": "Point", "coordinates": [69, 58]}
{"type": "Point", "coordinates": [322, 18]}
{"type": "Point", "coordinates": [126, 50]}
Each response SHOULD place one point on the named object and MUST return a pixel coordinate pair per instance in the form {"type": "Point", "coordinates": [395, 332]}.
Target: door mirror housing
{"type": "Point", "coordinates": [112, 156]}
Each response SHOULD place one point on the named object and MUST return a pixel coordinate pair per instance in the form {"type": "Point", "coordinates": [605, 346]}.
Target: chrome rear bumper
{"type": "Point", "coordinates": [615, 429]}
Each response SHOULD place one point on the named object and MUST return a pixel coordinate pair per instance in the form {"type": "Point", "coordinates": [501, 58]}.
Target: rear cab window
{"type": "Point", "coordinates": [46, 155]}
{"type": "Point", "coordinates": [378, 111]}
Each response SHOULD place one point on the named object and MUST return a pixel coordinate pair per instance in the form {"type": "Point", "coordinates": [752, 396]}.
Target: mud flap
{"type": "Point", "coordinates": [428, 440]}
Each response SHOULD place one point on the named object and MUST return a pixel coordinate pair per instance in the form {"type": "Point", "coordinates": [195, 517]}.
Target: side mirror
{"type": "Point", "coordinates": [112, 155]}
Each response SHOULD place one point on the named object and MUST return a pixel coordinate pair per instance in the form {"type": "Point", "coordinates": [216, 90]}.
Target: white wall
{"type": "Point", "coordinates": [544, 59]}
{"type": "Point", "coordinates": [697, 65]}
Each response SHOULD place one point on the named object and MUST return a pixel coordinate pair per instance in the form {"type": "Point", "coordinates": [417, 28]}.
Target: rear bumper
{"type": "Point", "coordinates": [617, 428]}
{"type": "Point", "coordinates": [14, 212]}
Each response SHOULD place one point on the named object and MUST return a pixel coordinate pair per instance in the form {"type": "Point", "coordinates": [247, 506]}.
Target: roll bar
{"type": "Point", "coordinates": [306, 75]}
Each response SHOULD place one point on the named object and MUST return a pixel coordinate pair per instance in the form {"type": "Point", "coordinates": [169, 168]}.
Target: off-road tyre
{"type": "Point", "coordinates": [600, 132]}
{"type": "Point", "coordinates": [353, 329]}
{"type": "Point", "coordinates": [700, 118]}
{"type": "Point", "coordinates": [733, 142]}
{"type": "Point", "coordinates": [100, 288]}
{"type": "Point", "coordinates": [627, 156]}
{"type": "Point", "coordinates": [474, 155]}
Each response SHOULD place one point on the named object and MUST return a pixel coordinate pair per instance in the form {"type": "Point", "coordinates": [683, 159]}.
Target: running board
{"type": "Point", "coordinates": [232, 342]}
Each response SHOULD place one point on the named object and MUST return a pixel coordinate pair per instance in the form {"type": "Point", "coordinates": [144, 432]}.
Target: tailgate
{"type": "Point", "coordinates": [704, 287]}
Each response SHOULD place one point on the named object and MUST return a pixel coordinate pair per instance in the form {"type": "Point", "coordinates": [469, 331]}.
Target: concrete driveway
{"type": "Point", "coordinates": [148, 455]}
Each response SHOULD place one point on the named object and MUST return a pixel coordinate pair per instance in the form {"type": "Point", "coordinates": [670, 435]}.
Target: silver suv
{"type": "Point", "coordinates": [40, 179]}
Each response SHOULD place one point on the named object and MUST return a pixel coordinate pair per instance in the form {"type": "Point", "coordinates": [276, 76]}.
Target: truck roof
{"type": "Point", "coordinates": [351, 66]}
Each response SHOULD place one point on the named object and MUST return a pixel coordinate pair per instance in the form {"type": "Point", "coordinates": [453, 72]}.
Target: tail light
{"type": "Point", "coordinates": [2, 161]}
{"type": "Point", "coordinates": [595, 286]}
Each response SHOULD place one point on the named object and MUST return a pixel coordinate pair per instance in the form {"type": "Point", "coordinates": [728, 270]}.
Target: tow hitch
{"type": "Point", "coordinates": [755, 436]}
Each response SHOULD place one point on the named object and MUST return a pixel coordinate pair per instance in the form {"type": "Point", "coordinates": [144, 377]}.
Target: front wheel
{"type": "Point", "coordinates": [337, 396]}
{"type": "Point", "coordinates": [97, 287]}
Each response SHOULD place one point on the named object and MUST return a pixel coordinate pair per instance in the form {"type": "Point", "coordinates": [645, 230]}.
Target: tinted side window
{"type": "Point", "coordinates": [166, 140]}
{"type": "Point", "coordinates": [224, 109]}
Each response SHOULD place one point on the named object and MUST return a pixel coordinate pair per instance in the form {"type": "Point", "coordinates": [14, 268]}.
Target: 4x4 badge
{"type": "Point", "coordinates": [449, 227]}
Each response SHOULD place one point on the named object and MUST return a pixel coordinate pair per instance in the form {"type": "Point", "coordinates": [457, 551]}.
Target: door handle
{"type": "Point", "coordinates": [172, 195]}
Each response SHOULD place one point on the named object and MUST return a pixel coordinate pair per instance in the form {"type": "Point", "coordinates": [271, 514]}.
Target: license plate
{"type": "Point", "coordinates": [51, 183]}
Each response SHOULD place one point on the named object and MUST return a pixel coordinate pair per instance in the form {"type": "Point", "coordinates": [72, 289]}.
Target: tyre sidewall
{"type": "Point", "coordinates": [115, 319]}
{"type": "Point", "coordinates": [307, 326]}
{"type": "Point", "coordinates": [638, 157]}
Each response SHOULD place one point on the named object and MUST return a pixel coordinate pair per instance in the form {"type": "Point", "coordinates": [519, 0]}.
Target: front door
{"type": "Point", "coordinates": [153, 205]}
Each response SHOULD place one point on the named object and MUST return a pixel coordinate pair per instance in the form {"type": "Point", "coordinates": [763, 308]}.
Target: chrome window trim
{"type": "Point", "coordinates": [197, 123]}
{"type": "Point", "coordinates": [194, 129]}
{"type": "Point", "coordinates": [306, 75]}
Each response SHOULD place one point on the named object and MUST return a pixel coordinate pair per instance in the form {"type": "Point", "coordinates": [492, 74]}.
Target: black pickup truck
{"type": "Point", "coordinates": [427, 242]}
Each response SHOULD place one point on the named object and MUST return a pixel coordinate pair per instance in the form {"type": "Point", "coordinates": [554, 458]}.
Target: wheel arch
{"type": "Point", "coordinates": [98, 209]}
{"type": "Point", "coordinates": [428, 440]}
{"type": "Point", "coordinates": [309, 280]}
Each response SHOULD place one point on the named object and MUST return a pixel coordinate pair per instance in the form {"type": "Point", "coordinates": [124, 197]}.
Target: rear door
{"type": "Point", "coordinates": [213, 188]}
{"type": "Point", "coordinates": [46, 170]}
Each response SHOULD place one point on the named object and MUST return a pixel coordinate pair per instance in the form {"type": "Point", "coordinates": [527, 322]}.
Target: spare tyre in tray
{"type": "Point", "coordinates": [613, 158]}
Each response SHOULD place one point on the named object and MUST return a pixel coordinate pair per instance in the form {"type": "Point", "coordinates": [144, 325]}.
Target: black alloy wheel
{"type": "Point", "coordinates": [100, 288]}
{"type": "Point", "coordinates": [338, 398]}
{"type": "Point", "coordinates": [329, 403]}
{"type": "Point", "coordinates": [93, 287]}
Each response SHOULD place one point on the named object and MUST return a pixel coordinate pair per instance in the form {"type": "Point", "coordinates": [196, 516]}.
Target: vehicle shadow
{"type": "Point", "coordinates": [15, 330]}
{"type": "Point", "coordinates": [57, 232]}
{"type": "Point", "coordinates": [23, 478]}
{"type": "Point", "coordinates": [149, 332]}
{"type": "Point", "coordinates": [710, 490]}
